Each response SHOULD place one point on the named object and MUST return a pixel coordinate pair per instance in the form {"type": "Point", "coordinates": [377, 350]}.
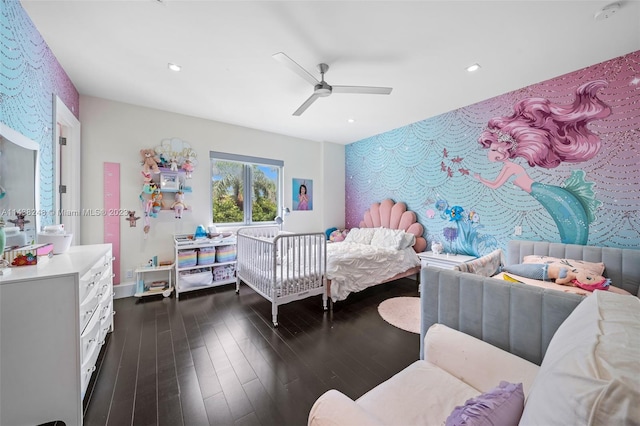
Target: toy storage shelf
{"type": "Point", "coordinates": [171, 180]}
{"type": "Point", "coordinates": [185, 247]}
{"type": "Point", "coordinates": [165, 291]}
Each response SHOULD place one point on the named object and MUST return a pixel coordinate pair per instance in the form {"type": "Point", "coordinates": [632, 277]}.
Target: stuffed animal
{"type": "Point", "coordinates": [146, 176]}
{"type": "Point", "coordinates": [561, 274]}
{"type": "Point", "coordinates": [20, 220]}
{"type": "Point", "coordinates": [132, 218]}
{"type": "Point", "coordinates": [150, 161]}
{"type": "Point", "coordinates": [156, 202]}
{"type": "Point", "coordinates": [178, 205]}
{"type": "Point", "coordinates": [187, 166]}
{"type": "Point", "coordinates": [173, 164]}
{"type": "Point", "coordinates": [337, 235]}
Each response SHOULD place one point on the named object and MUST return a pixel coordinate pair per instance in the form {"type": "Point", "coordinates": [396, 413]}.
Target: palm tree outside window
{"type": "Point", "coordinates": [245, 190]}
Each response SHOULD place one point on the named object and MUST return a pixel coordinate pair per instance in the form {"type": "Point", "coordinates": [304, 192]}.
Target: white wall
{"type": "Point", "coordinates": [115, 132]}
{"type": "Point", "coordinates": [333, 179]}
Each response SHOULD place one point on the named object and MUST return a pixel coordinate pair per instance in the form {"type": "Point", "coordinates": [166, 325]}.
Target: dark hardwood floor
{"type": "Point", "coordinates": [213, 357]}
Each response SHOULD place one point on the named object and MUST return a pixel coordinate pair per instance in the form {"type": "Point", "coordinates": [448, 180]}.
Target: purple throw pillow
{"type": "Point", "coordinates": [502, 405]}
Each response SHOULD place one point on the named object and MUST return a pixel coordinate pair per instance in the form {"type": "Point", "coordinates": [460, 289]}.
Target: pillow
{"type": "Point", "coordinates": [502, 405]}
{"type": "Point", "coordinates": [589, 374]}
{"type": "Point", "coordinates": [385, 237]}
{"type": "Point", "coordinates": [395, 239]}
{"type": "Point", "coordinates": [360, 235]}
{"type": "Point", "coordinates": [408, 240]}
{"type": "Point", "coordinates": [486, 266]}
{"type": "Point", "coordinates": [591, 267]}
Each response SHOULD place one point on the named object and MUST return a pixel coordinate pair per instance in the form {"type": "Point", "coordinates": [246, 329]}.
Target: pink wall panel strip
{"type": "Point", "coordinates": [112, 218]}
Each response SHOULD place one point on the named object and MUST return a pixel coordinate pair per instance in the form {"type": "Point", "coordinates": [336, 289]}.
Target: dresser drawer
{"type": "Point", "coordinates": [90, 338]}
{"type": "Point", "coordinates": [106, 321]}
{"type": "Point", "coordinates": [88, 306]}
{"type": "Point", "coordinates": [87, 369]}
{"type": "Point", "coordinates": [92, 277]}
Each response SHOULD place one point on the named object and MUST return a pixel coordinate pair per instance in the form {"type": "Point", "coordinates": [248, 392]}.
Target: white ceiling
{"type": "Point", "coordinates": [119, 50]}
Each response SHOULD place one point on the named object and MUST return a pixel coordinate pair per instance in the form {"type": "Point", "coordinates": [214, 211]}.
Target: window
{"type": "Point", "coordinates": [244, 190]}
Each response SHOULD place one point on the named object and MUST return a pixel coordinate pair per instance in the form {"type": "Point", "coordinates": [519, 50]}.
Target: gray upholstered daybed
{"type": "Point", "coordinates": [540, 356]}
{"type": "Point", "coordinates": [518, 318]}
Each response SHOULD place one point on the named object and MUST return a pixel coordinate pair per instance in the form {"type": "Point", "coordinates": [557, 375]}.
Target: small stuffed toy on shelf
{"type": "Point", "coordinates": [187, 166]}
{"type": "Point", "coordinates": [178, 205]}
{"type": "Point", "coordinates": [156, 203]}
{"type": "Point", "coordinates": [150, 161]}
{"type": "Point", "coordinates": [173, 164]}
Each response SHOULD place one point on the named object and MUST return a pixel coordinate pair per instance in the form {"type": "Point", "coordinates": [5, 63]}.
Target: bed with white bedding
{"type": "Point", "coordinates": [283, 267]}
{"type": "Point", "coordinates": [382, 249]}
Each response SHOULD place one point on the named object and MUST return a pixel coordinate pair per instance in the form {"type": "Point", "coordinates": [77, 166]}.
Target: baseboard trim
{"type": "Point", "coordinates": [123, 290]}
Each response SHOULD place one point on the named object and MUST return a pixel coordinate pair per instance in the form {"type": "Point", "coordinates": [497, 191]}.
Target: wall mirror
{"type": "Point", "coordinates": [19, 185]}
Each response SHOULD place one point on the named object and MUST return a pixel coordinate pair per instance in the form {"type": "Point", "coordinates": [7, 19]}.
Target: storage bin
{"type": "Point", "coordinates": [224, 272]}
{"type": "Point", "coordinates": [207, 256]}
{"type": "Point", "coordinates": [195, 279]}
{"type": "Point", "coordinates": [226, 253]}
{"type": "Point", "coordinates": [187, 258]}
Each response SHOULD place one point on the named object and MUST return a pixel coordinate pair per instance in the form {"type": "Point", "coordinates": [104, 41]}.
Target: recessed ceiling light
{"type": "Point", "coordinates": [174, 67]}
{"type": "Point", "coordinates": [350, 120]}
{"type": "Point", "coordinates": [474, 67]}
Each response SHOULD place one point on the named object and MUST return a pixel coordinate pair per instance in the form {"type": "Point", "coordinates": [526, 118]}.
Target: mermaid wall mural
{"type": "Point", "coordinates": [554, 161]}
{"type": "Point", "coordinates": [545, 134]}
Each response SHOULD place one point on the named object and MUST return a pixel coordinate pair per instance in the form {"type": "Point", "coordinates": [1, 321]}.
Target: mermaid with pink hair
{"type": "Point", "coordinates": [545, 135]}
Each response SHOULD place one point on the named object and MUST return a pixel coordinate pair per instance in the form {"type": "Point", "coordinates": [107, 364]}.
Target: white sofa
{"type": "Point", "coordinates": [590, 375]}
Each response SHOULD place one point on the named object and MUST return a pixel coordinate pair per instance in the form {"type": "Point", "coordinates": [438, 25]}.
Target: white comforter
{"type": "Point", "coordinates": [352, 267]}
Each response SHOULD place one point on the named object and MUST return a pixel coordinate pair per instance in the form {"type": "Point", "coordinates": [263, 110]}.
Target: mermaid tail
{"type": "Point", "coordinates": [583, 191]}
{"type": "Point", "coordinates": [570, 207]}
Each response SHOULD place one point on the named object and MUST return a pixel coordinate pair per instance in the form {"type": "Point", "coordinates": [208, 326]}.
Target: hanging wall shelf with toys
{"type": "Point", "coordinates": [166, 173]}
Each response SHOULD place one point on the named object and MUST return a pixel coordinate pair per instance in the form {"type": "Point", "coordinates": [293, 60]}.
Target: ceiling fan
{"type": "Point", "coordinates": [320, 87]}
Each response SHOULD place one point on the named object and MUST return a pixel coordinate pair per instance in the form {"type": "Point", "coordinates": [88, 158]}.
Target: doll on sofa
{"type": "Point", "coordinates": [561, 274]}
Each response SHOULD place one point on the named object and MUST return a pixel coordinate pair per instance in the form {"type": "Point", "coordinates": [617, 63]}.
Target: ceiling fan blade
{"type": "Point", "coordinates": [362, 89]}
{"type": "Point", "coordinates": [293, 66]}
{"type": "Point", "coordinates": [306, 104]}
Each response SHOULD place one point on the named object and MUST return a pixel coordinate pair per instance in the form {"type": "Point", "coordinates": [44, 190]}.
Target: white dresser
{"type": "Point", "coordinates": [54, 318]}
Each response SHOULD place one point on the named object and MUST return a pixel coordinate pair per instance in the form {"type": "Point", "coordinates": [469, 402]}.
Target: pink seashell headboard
{"type": "Point", "coordinates": [388, 214]}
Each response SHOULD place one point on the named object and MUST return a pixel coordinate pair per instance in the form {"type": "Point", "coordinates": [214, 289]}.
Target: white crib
{"type": "Point", "coordinates": [281, 267]}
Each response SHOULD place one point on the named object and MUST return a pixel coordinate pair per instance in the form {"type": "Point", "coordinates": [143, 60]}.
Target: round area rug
{"type": "Point", "coordinates": [402, 312]}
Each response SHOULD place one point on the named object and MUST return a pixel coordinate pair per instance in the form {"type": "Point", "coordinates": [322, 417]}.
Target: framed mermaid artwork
{"type": "Point", "coordinates": [302, 191]}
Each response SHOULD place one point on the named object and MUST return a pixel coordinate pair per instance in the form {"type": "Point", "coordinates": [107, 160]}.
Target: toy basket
{"type": "Point", "coordinates": [187, 258]}
{"type": "Point", "coordinates": [195, 279]}
{"type": "Point", "coordinates": [226, 253]}
{"type": "Point", "coordinates": [224, 272]}
{"type": "Point", "coordinates": [207, 256]}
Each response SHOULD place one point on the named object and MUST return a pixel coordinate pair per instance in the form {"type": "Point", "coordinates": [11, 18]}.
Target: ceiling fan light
{"type": "Point", "coordinates": [174, 67]}
{"type": "Point", "coordinates": [474, 67]}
